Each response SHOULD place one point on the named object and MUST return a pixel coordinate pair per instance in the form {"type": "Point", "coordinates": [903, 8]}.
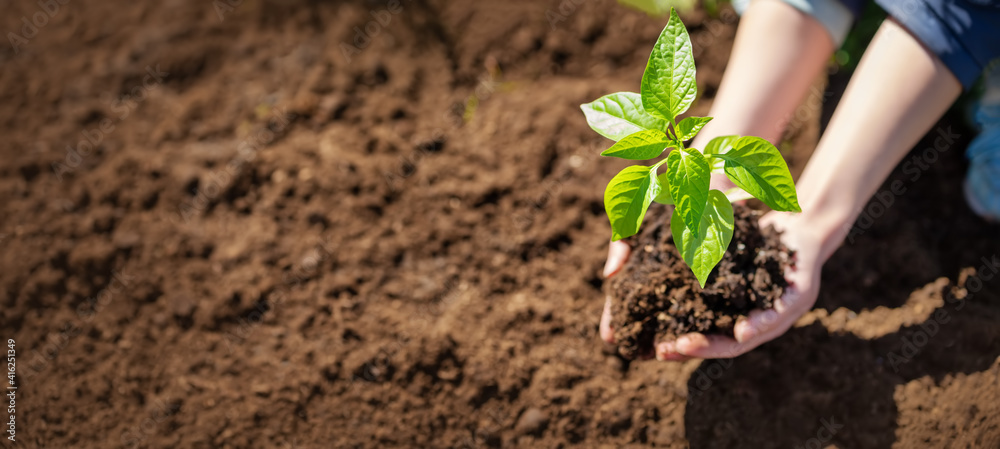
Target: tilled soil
{"type": "Point", "coordinates": [266, 236]}
{"type": "Point", "coordinates": [656, 297]}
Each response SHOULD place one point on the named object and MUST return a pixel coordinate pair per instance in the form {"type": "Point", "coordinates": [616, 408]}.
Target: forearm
{"type": "Point", "coordinates": [898, 92]}
{"type": "Point", "coordinates": [778, 53]}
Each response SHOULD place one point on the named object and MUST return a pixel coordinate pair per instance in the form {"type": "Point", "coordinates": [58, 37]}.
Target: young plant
{"type": "Point", "coordinates": [645, 125]}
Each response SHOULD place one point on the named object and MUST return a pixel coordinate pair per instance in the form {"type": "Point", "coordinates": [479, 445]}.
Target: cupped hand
{"type": "Point", "coordinates": [762, 325]}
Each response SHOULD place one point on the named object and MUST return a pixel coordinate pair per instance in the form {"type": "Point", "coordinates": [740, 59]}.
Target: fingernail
{"type": "Point", "coordinates": [607, 266]}
{"type": "Point", "coordinates": [683, 342]}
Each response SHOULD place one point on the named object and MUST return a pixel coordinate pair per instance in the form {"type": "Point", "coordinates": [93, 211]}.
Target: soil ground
{"type": "Point", "coordinates": [286, 242]}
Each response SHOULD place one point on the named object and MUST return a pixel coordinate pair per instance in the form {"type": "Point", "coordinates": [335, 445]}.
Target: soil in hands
{"type": "Point", "coordinates": [656, 296]}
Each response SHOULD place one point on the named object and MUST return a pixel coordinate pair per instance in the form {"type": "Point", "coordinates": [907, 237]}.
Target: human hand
{"type": "Point", "coordinates": [762, 325]}
{"type": "Point", "coordinates": [618, 253]}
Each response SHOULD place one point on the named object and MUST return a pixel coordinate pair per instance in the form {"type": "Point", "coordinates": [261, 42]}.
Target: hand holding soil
{"type": "Point", "coordinates": [692, 275]}
{"type": "Point", "coordinates": [760, 326]}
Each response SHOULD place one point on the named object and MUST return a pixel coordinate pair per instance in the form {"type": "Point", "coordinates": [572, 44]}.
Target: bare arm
{"type": "Point", "coordinates": [898, 92]}
{"type": "Point", "coordinates": [778, 53]}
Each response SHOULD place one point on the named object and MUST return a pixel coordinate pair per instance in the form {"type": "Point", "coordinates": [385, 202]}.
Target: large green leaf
{"type": "Point", "coordinates": [627, 198]}
{"type": "Point", "coordinates": [664, 196]}
{"type": "Point", "coordinates": [668, 85]}
{"type": "Point", "coordinates": [639, 146]}
{"type": "Point", "coordinates": [757, 167]}
{"type": "Point", "coordinates": [689, 174]}
{"type": "Point", "coordinates": [689, 127]}
{"type": "Point", "coordinates": [703, 250]}
{"type": "Point", "coordinates": [617, 115]}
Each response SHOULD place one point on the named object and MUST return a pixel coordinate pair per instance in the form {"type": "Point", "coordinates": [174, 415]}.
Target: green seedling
{"type": "Point", "coordinates": [645, 125]}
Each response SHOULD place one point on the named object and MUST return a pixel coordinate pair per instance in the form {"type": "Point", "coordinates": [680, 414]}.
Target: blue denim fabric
{"type": "Point", "coordinates": [964, 34]}
{"type": "Point", "coordinates": [982, 184]}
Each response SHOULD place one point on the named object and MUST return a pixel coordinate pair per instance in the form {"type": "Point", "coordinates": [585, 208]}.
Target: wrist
{"type": "Point", "coordinates": [826, 223]}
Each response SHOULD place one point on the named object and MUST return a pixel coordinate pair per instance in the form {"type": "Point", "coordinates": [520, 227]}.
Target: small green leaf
{"type": "Point", "coordinates": [720, 145]}
{"type": "Point", "coordinates": [668, 85]}
{"type": "Point", "coordinates": [757, 167]}
{"type": "Point", "coordinates": [627, 198]}
{"type": "Point", "coordinates": [689, 127]}
{"type": "Point", "coordinates": [618, 115]}
{"type": "Point", "coordinates": [703, 250]}
{"type": "Point", "coordinates": [689, 174]}
{"type": "Point", "coordinates": [664, 196]}
{"type": "Point", "coordinates": [639, 146]}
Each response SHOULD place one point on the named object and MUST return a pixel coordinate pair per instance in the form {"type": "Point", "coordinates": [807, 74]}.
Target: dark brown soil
{"type": "Point", "coordinates": [656, 296]}
{"type": "Point", "coordinates": [399, 269]}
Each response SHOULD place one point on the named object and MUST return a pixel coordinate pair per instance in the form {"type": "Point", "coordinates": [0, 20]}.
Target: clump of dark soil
{"type": "Point", "coordinates": [657, 297]}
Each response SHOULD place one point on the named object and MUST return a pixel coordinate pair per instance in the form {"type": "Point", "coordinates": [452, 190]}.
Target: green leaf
{"type": "Point", "coordinates": [668, 85]}
{"type": "Point", "coordinates": [639, 146]}
{"type": "Point", "coordinates": [627, 198]}
{"type": "Point", "coordinates": [689, 127]}
{"type": "Point", "coordinates": [689, 174]}
{"type": "Point", "coordinates": [618, 115]}
{"type": "Point", "coordinates": [757, 167]}
{"type": "Point", "coordinates": [720, 145]}
{"type": "Point", "coordinates": [664, 196]}
{"type": "Point", "coordinates": [703, 250]}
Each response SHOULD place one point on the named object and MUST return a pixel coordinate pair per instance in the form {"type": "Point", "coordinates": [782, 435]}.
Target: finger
{"type": "Point", "coordinates": [761, 327]}
{"type": "Point", "coordinates": [758, 323]}
{"type": "Point", "coordinates": [607, 334]}
{"type": "Point", "coordinates": [667, 352]}
{"type": "Point", "coordinates": [765, 325]}
{"type": "Point", "coordinates": [618, 253]}
{"type": "Point", "coordinates": [770, 219]}
{"type": "Point", "coordinates": [780, 220]}
{"type": "Point", "coordinates": [710, 346]}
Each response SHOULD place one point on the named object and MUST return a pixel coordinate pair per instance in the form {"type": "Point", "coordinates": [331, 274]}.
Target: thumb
{"type": "Point", "coordinates": [618, 253]}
